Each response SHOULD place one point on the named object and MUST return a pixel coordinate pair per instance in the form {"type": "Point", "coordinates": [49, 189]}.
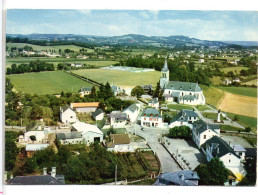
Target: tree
{"type": "Point", "coordinates": [30, 165]}
{"type": "Point", "coordinates": [93, 92]}
{"type": "Point", "coordinates": [137, 91]}
{"type": "Point", "coordinates": [33, 138]}
{"type": "Point", "coordinates": [212, 173]}
{"type": "Point", "coordinates": [36, 112]}
{"type": "Point", "coordinates": [248, 129]}
{"type": "Point", "coordinates": [157, 91]}
{"type": "Point", "coordinates": [236, 118]}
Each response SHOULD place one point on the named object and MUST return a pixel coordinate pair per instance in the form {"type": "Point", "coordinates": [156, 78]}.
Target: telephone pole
{"type": "Point", "coordinates": [116, 175]}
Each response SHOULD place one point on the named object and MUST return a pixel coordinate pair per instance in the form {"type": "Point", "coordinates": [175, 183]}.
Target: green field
{"type": "Point", "coordinates": [210, 115]}
{"type": "Point", "coordinates": [252, 82]}
{"type": "Point", "coordinates": [39, 48]}
{"type": "Point", "coordinates": [202, 107]}
{"type": "Point", "coordinates": [213, 95]}
{"type": "Point", "coordinates": [121, 78]}
{"type": "Point", "coordinates": [50, 82]}
{"type": "Point", "coordinates": [245, 91]}
{"type": "Point", "coordinates": [245, 120]}
{"type": "Point", "coordinates": [230, 128]}
{"type": "Point", "coordinates": [55, 61]}
{"type": "Point", "coordinates": [180, 107]}
{"type": "Point", "coordinates": [234, 69]}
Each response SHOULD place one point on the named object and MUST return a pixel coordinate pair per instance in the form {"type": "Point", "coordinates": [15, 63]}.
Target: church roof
{"type": "Point", "coordinates": [165, 67]}
{"type": "Point", "coordinates": [183, 86]}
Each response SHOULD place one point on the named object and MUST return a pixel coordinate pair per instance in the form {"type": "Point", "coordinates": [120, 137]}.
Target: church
{"type": "Point", "coordinates": [180, 92]}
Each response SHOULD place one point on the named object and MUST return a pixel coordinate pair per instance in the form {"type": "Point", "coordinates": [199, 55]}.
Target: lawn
{"type": "Point", "coordinates": [202, 107]}
{"type": "Point", "coordinates": [245, 120]}
{"type": "Point", "coordinates": [86, 118]}
{"type": "Point", "coordinates": [230, 128]}
{"type": "Point", "coordinates": [180, 107]}
{"type": "Point", "coordinates": [213, 95]}
{"type": "Point", "coordinates": [216, 80]}
{"type": "Point", "coordinates": [245, 91]}
{"type": "Point", "coordinates": [234, 69]}
{"type": "Point", "coordinates": [210, 115]}
{"type": "Point", "coordinates": [118, 130]}
{"type": "Point", "coordinates": [48, 82]}
{"type": "Point", "coordinates": [121, 78]}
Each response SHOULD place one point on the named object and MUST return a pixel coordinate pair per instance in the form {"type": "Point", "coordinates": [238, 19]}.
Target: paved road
{"type": "Point", "coordinates": [151, 136]}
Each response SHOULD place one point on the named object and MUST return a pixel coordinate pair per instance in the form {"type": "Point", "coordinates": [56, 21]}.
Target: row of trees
{"type": "Point", "coordinates": [34, 66]}
{"type": "Point", "coordinates": [180, 132]}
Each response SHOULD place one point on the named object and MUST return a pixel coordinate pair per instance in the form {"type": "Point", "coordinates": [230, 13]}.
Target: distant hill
{"type": "Point", "coordinates": [136, 39]}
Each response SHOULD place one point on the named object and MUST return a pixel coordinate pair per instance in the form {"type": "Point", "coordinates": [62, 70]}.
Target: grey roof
{"type": "Point", "coordinates": [201, 126]}
{"type": "Point", "coordinates": [182, 178]}
{"type": "Point", "coordinates": [154, 101]}
{"type": "Point", "coordinates": [238, 148]}
{"type": "Point", "coordinates": [219, 147]}
{"type": "Point", "coordinates": [85, 89]}
{"type": "Point", "coordinates": [183, 115]}
{"type": "Point", "coordinates": [147, 87]}
{"type": "Point", "coordinates": [35, 180]}
{"type": "Point", "coordinates": [183, 86]}
{"type": "Point", "coordinates": [97, 112]}
{"type": "Point", "coordinates": [118, 115]}
{"type": "Point", "coordinates": [165, 67]}
{"type": "Point", "coordinates": [132, 108]}
{"type": "Point", "coordinates": [66, 107]}
{"type": "Point", "coordinates": [175, 94]}
{"type": "Point", "coordinates": [152, 111]}
{"type": "Point", "coordinates": [71, 135]}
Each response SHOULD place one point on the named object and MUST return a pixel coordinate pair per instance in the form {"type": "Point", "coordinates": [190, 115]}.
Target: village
{"type": "Point", "coordinates": [180, 139]}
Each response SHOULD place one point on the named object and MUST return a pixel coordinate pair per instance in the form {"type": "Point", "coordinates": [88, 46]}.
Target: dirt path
{"type": "Point", "coordinates": [239, 104]}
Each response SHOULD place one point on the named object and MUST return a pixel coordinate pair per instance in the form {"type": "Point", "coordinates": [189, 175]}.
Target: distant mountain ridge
{"type": "Point", "coordinates": [136, 39]}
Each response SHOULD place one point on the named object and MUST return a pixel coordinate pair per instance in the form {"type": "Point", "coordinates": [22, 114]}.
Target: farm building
{"type": "Point", "coordinates": [90, 133]}
{"type": "Point", "coordinates": [203, 131]}
{"type": "Point", "coordinates": [180, 92]}
{"type": "Point", "coordinates": [147, 88]}
{"type": "Point", "coordinates": [117, 119]}
{"type": "Point", "coordinates": [67, 115]}
{"type": "Point", "coordinates": [151, 118]}
{"type": "Point", "coordinates": [85, 91]}
{"type": "Point", "coordinates": [85, 107]}
{"type": "Point", "coordinates": [132, 112]}
{"type": "Point", "coordinates": [77, 65]}
{"type": "Point", "coordinates": [98, 115]}
{"type": "Point", "coordinates": [180, 178]}
{"type": "Point", "coordinates": [69, 138]}
{"type": "Point", "coordinates": [39, 135]}
{"type": "Point", "coordinates": [154, 103]}
{"type": "Point", "coordinates": [32, 148]}
{"type": "Point", "coordinates": [240, 151]}
{"type": "Point", "coordinates": [119, 143]}
{"type": "Point", "coordinates": [184, 117]}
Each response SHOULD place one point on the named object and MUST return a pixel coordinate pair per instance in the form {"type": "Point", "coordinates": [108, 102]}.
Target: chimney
{"type": "Point", "coordinates": [218, 118]}
{"type": "Point", "coordinates": [182, 176]}
{"type": "Point", "coordinates": [217, 150]}
{"type": "Point", "coordinates": [53, 172]}
{"type": "Point", "coordinates": [44, 171]}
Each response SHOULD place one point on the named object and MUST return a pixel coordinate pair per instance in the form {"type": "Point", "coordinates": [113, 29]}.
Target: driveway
{"type": "Point", "coordinates": [151, 136]}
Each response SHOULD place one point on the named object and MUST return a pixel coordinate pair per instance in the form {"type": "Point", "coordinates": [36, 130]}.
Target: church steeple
{"type": "Point", "coordinates": [164, 79]}
{"type": "Point", "coordinates": [165, 67]}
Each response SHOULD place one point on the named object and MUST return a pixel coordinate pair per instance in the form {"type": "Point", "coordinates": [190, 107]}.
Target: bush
{"type": "Point", "coordinates": [180, 132]}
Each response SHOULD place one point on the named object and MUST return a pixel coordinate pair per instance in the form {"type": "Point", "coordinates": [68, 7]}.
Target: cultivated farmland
{"type": "Point", "coordinates": [52, 82]}
{"type": "Point", "coordinates": [121, 78]}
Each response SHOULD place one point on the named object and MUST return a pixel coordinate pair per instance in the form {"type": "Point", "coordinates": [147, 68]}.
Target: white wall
{"type": "Point", "coordinates": [99, 117]}
{"type": "Point", "coordinates": [154, 122]}
{"type": "Point", "coordinates": [40, 135]}
{"type": "Point", "coordinates": [117, 124]}
{"type": "Point", "coordinates": [89, 136]}
{"type": "Point", "coordinates": [69, 116]}
{"type": "Point", "coordinates": [231, 162]}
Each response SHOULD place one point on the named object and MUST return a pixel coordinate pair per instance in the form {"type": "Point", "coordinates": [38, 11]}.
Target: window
{"type": "Point", "coordinates": [144, 118]}
{"type": "Point", "coordinates": [240, 153]}
{"type": "Point", "coordinates": [229, 160]}
{"type": "Point", "coordinates": [204, 137]}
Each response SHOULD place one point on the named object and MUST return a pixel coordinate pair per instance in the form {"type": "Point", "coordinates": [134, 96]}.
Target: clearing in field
{"type": "Point", "coordinates": [234, 69]}
{"type": "Point", "coordinates": [239, 104]}
{"type": "Point", "coordinates": [49, 82]}
{"type": "Point", "coordinates": [245, 91]}
{"type": "Point", "coordinates": [121, 78]}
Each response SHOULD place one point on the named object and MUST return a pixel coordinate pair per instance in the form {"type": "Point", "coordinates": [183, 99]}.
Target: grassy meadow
{"type": "Point", "coordinates": [49, 82]}
{"type": "Point", "coordinates": [245, 91]}
{"type": "Point", "coordinates": [213, 95]}
{"type": "Point", "coordinates": [121, 78]}
{"type": "Point", "coordinates": [180, 107]}
{"type": "Point", "coordinates": [234, 69]}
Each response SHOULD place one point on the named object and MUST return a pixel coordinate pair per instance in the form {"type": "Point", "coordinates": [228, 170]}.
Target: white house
{"type": "Point", "coordinates": [98, 115]}
{"type": "Point", "coordinates": [180, 92]}
{"type": "Point", "coordinates": [67, 115]}
{"type": "Point", "coordinates": [40, 136]}
{"type": "Point", "coordinates": [85, 91]}
{"type": "Point", "coordinates": [119, 143]}
{"type": "Point", "coordinates": [132, 112]}
{"type": "Point", "coordinates": [85, 107]}
{"type": "Point", "coordinates": [90, 133]}
{"type": "Point", "coordinates": [201, 60]}
{"type": "Point", "coordinates": [154, 103]}
{"type": "Point", "coordinates": [227, 82]}
{"type": "Point", "coordinates": [203, 131]}
{"type": "Point", "coordinates": [77, 65]}
{"type": "Point", "coordinates": [240, 151]}
{"type": "Point", "coordinates": [236, 80]}
{"type": "Point", "coordinates": [117, 119]}
{"type": "Point", "coordinates": [184, 117]}
{"type": "Point", "coordinates": [116, 89]}
{"type": "Point", "coordinates": [151, 118]}
{"type": "Point", "coordinates": [216, 147]}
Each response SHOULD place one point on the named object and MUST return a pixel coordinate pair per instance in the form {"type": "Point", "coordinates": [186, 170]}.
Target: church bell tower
{"type": "Point", "coordinates": [164, 78]}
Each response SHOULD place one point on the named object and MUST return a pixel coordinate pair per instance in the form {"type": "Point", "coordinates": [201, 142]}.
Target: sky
{"type": "Point", "coordinates": [205, 25]}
